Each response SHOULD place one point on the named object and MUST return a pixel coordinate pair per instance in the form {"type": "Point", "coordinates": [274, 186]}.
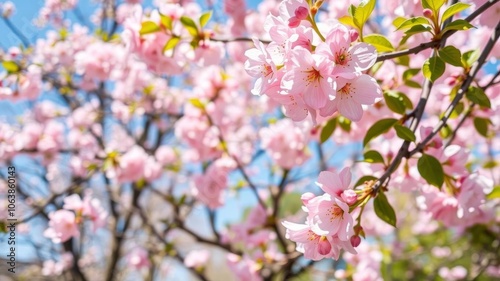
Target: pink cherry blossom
{"type": "Point", "coordinates": [351, 94]}
{"type": "Point", "coordinates": [309, 76]}
{"type": "Point", "coordinates": [62, 226]}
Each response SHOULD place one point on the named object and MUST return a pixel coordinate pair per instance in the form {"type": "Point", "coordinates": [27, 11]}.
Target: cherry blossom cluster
{"type": "Point", "coordinates": [311, 74]}
{"type": "Point", "coordinates": [329, 227]}
{"type": "Point", "coordinates": [64, 223]}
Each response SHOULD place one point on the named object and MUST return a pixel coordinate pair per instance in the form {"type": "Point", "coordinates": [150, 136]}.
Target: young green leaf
{"type": "Point", "coordinates": [373, 156]}
{"type": "Point", "coordinates": [344, 123]}
{"type": "Point", "coordinates": [380, 42]}
{"type": "Point", "coordinates": [431, 170]}
{"type": "Point", "coordinates": [451, 55]}
{"type": "Point", "coordinates": [171, 43]}
{"type": "Point", "coordinates": [397, 101]}
{"type": "Point", "coordinates": [434, 5]}
{"type": "Point", "coordinates": [433, 68]}
{"type": "Point", "coordinates": [148, 27]}
{"type": "Point", "coordinates": [384, 210]}
{"type": "Point", "coordinates": [413, 22]}
{"type": "Point", "coordinates": [166, 21]}
{"type": "Point", "coordinates": [328, 130]}
{"type": "Point", "coordinates": [190, 25]}
{"type": "Point", "coordinates": [197, 103]}
{"type": "Point", "coordinates": [495, 193]}
{"type": "Point", "coordinates": [205, 18]}
{"type": "Point", "coordinates": [404, 133]}
{"type": "Point", "coordinates": [453, 9]}
{"type": "Point", "coordinates": [10, 66]}
{"type": "Point", "coordinates": [363, 12]}
{"type": "Point", "coordinates": [481, 125]}
{"type": "Point", "coordinates": [457, 25]}
{"type": "Point", "coordinates": [363, 179]}
{"type": "Point", "coordinates": [348, 20]}
{"type": "Point", "coordinates": [470, 57]}
{"type": "Point", "coordinates": [478, 96]}
{"type": "Point", "coordinates": [378, 128]}
{"type": "Point", "coordinates": [398, 21]}
{"type": "Point", "coordinates": [414, 30]}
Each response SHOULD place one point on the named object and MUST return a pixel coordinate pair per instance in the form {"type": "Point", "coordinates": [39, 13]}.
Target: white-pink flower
{"type": "Point", "coordinates": [310, 76]}
{"type": "Point", "coordinates": [62, 226]}
{"type": "Point", "coordinates": [351, 94]}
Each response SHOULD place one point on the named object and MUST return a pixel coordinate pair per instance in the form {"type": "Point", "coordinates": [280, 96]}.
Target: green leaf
{"type": "Point", "coordinates": [415, 30]}
{"type": "Point", "coordinates": [348, 20]}
{"type": "Point", "coordinates": [433, 68]}
{"type": "Point", "coordinates": [197, 103]}
{"type": "Point", "coordinates": [451, 55]}
{"type": "Point", "coordinates": [344, 123]}
{"type": "Point", "coordinates": [431, 170]}
{"type": "Point", "coordinates": [457, 25]}
{"type": "Point", "coordinates": [395, 101]}
{"type": "Point", "coordinates": [481, 125]}
{"type": "Point", "coordinates": [373, 156]}
{"type": "Point", "coordinates": [190, 25]}
{"type": "Point", "coordinates": [205, 18]}
{"type": "Point", "coordinates": [379, 128]}
{"type": "Point", "coordinates": [398, 21]}
{"type": "Point", "coordinates": [434, 5]}
{"type": "Point", "coordinates": [384, 210]}
{"type": "Point", "coordinates": [417, 21]}
{"type": "Point", "coordinates": [11, 66]}
{"type": "Point", "coordinates": [363, 179]}
{"type": "Point", "coordinates": [403, 60]}
{"type": "Point", "coordinates": [149, 27]}
{"type": "Point", "coordinates": [363, 12]}
{"type": "Point", "coordinates": [404, 133]}
{"type": "Point", "coordinates": [495, 193]}
{"type": "Point", "coordinates": [457, 111]}
{"type": "Point", "coordinates": [445, 131]}
{"type": "Point", "coordinates": [470, 57]}
{"type": "Point", "coordinates": [166, 21]}
{"type": "Point", "coordinates": [380, 42]}
{"type": "Point", "coordinates": [453, 9]}
{"type": "Point", "coordinates": [328, 130]}
{"type": "Point", "coordinates": [171, 43]}
{"type": "Point", "coordinates": [478, 96]}
{"type": "Point", "coordinates": [408, 74]}
{"type": "Point", "coordinates": [351, 10]}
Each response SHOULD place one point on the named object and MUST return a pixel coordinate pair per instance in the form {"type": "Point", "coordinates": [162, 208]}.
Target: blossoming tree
{"type": "Point", "coordinates": [180, 140]}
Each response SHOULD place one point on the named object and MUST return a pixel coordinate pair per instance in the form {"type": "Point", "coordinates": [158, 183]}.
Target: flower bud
{"type": "Point", "coordinates": [349, 196]}
{"type": "Point", "coordinates": [355, 240]}
{"type": "Point", "coordinates": [428, 13]}
{"type": "Point", "coordinates": [306, 197]}
{"type": "Point", "coordinates": [301, 13]}
{"type": "Point", "coordinates": [293, 22]}
{"type": "Point", "coordinates": [354, 35]}
{"type": "Point", "coordinates": [8, 9]}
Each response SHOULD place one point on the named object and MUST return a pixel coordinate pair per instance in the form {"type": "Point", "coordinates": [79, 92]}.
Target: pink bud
{"type": "Point", "coordinates": [354, 35]}
{"type": "Point", "coordinates": [293, 22]}
{"type": "Point", "coordinates": [355, 241]}
{"type": "Point", "coordinates": [428, 13]}
{"type": "Point", "coordinates": [306, 197]}
{"type": "Point", "coordinates": [301, 13]}
{"type": "Point", "coordinates": [349, 196]}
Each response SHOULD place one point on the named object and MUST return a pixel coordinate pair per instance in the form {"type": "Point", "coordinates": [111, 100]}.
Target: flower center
{"type": "Point", "coordinates": [342, 57]}
{"type": "Point", "coordinates": [346, 90]}
{"type": "Point", "coordinates": [313, 76]}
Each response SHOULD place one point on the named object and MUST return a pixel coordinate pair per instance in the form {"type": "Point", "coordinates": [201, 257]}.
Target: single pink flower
{"type": "Point", "coordinates": [351, 95]}
{"type": "Point", "coordinates": [309, 76]}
